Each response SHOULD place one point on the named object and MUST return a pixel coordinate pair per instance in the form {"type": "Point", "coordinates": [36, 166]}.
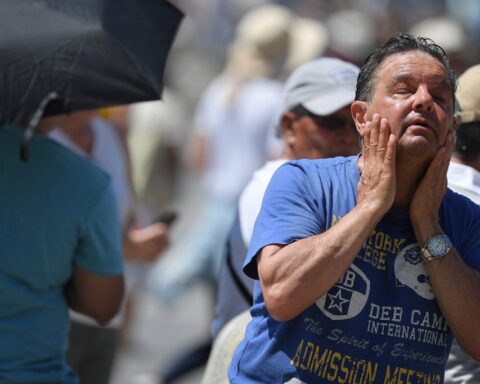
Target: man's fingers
{"type": "Point", "coordinates": [438, 168]}
{"type": "Point", "coordinates": [366, 140]}
{"type": "Point", "coordinates": [374, 135]}
{"type": "Point", "coordinates": [383, 137]}
{"type": "Point", "coordinates": [391, 152]}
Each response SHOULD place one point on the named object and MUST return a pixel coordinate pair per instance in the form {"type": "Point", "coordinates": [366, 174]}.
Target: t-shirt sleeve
{"type": "Point", "coordinates": [99, 248]}
{"type": "Point", "coordinates": [289, 212]}
{"type": "Point", "coordinates": [470, 248]}
{"type": "Point", "coordinates": [462, 223]}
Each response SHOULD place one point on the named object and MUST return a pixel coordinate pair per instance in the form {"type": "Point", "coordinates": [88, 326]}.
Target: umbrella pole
{"type": "Point", "coordinates": [33, 124]}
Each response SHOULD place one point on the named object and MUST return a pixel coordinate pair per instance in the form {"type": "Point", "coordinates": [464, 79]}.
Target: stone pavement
{"type": "Point", "coordinates": [158, 334]}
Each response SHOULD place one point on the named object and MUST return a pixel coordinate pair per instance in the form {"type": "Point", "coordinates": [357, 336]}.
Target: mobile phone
{"type": "Point", "coordinates": [166, 217]}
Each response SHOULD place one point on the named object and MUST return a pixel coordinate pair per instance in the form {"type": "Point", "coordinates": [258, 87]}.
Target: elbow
{"type": "Point", "coordinates": [472, 349]}
{"type": "Point", "coordinates": [278, 305]}
{"type": "Point", "coordinates": [105, 311]}
{"type": "Point", "coordinates": [476, 358]}
{"type": "Point", "coordinates": [475, 354]}
{"type": "Point", "coordinates": [104, 317]}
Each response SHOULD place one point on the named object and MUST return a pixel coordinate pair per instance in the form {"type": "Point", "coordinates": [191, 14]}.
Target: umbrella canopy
{"type": "Point", "coordinates": [82, 54]}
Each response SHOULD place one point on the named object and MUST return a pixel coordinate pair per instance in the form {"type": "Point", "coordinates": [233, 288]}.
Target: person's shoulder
{"type": "Point", "coordinates": [458, 210]}
{"type": "Point", "coordinates": [68, 165]}
{"type": "Point", "coordinates": [320, 165]}
{"type": "Point", "coordinates": [454, 200]}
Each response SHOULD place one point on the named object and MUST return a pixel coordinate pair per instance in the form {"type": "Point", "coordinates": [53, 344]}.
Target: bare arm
{"type": "Point", "coordinates": [94, 295]}
{"type": "Point", "coordinates": [455, 284]}
{"type": "Point", "coordinates": [294, 276]}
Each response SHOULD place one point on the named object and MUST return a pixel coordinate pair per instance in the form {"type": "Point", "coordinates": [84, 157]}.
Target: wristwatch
{"type": "Point", "coordinates": [436, 247]}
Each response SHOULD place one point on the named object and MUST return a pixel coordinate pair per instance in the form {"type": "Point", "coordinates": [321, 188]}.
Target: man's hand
{"type": "Point", "coordinates": [426, 201]}
{"type": "Point", "coordinates": [378, 179]}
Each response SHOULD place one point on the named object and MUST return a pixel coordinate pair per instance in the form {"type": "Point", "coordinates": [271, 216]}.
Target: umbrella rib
{"type": "Point", "coordinates": [32, 125]}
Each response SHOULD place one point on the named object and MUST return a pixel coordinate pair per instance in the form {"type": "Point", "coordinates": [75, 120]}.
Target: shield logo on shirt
{"type": "Point", "coordinates": [348, 297]}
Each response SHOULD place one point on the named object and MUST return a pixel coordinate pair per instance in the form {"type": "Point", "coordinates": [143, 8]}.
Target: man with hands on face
{"type": "Point", "coordinates": [367, 265]}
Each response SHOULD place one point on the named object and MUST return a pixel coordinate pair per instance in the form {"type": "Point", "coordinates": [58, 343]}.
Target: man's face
{"type": "Point", "coordinates": [412, 91]}
{"type": "Point", "coordinates": [316, 137]}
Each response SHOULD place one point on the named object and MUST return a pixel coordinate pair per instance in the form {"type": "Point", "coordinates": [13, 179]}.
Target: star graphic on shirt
{"type": "Point", "coordinates": [337, 301]}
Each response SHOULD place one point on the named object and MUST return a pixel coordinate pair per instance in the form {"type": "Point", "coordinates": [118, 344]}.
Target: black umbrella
{"type": "Point", "coordinates": [68, 56]}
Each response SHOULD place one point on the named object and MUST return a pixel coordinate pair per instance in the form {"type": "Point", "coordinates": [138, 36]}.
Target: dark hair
{"type": "Point", "coordinates": [403, 42]}
{"type": "Point", "coordinates": [300, 110]}
{"type": "Point", "coordinates": [467, 146]}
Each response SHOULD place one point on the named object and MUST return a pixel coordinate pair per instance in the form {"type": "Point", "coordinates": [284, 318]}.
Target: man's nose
{"type": "Point", "coordinates": [423, 100]}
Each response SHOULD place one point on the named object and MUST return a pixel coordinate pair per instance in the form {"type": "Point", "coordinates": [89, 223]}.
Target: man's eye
{"type": "Point", "coordinates": [402, 91]}
{"type": "Point", "coordinates": [439, 97]}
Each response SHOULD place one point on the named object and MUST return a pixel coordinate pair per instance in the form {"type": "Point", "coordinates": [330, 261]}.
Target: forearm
{"type": "Point", "coordinates": [457, 288]}
{"type": "Point", "coordinates": [297, 275]}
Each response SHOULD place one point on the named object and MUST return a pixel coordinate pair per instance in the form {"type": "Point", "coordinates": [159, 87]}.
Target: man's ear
{"type": "Point", "coordinates": [359, 111]}
{"type": "Point", "coordinates": [287, 128]}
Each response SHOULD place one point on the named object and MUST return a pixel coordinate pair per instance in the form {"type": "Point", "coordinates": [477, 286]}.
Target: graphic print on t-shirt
{"type": "Point", "coordinates": [410, 271]}
{"type": "Point", "coordinates": [398, 334]}
{"type": "Point", "coordinates": [348, 297]}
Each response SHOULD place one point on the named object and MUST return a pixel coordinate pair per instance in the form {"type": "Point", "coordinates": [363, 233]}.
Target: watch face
{"type": "Point", "coordinates": [438, 246]}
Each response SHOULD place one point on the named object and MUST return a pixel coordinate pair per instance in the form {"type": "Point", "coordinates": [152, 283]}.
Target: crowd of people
{"type": "Point", "coordinates": [339, 226]}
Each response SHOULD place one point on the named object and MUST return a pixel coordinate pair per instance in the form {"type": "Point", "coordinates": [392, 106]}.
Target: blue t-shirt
{"type": "Point", "coordinates": [57, 211]}
{"type": "Point", "coordinates": [380, 323]}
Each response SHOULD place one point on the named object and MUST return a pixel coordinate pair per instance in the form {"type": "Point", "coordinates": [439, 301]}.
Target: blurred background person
{"type": "Point", "coordinates": [92, 348]}
{"type": "Point", "coordinates": [156, 131]}
{"type": "Point", "coordinates": [449, 34]}
{"type": "Point", "coordinates": [352, 35]}
{"type": "Point", "coordinates": [464, 178]}
{"type": "Point", "coordinates": [62, 250]}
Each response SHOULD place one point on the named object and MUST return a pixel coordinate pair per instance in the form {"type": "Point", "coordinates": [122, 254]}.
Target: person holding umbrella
{"type": "Point", "coordinates": [59, 226]}
{"type": "Point", "coordinates": [60, 248]}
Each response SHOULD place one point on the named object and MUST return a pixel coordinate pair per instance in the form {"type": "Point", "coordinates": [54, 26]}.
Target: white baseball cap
{"type": "Point", "coordinates": [322, 86]}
